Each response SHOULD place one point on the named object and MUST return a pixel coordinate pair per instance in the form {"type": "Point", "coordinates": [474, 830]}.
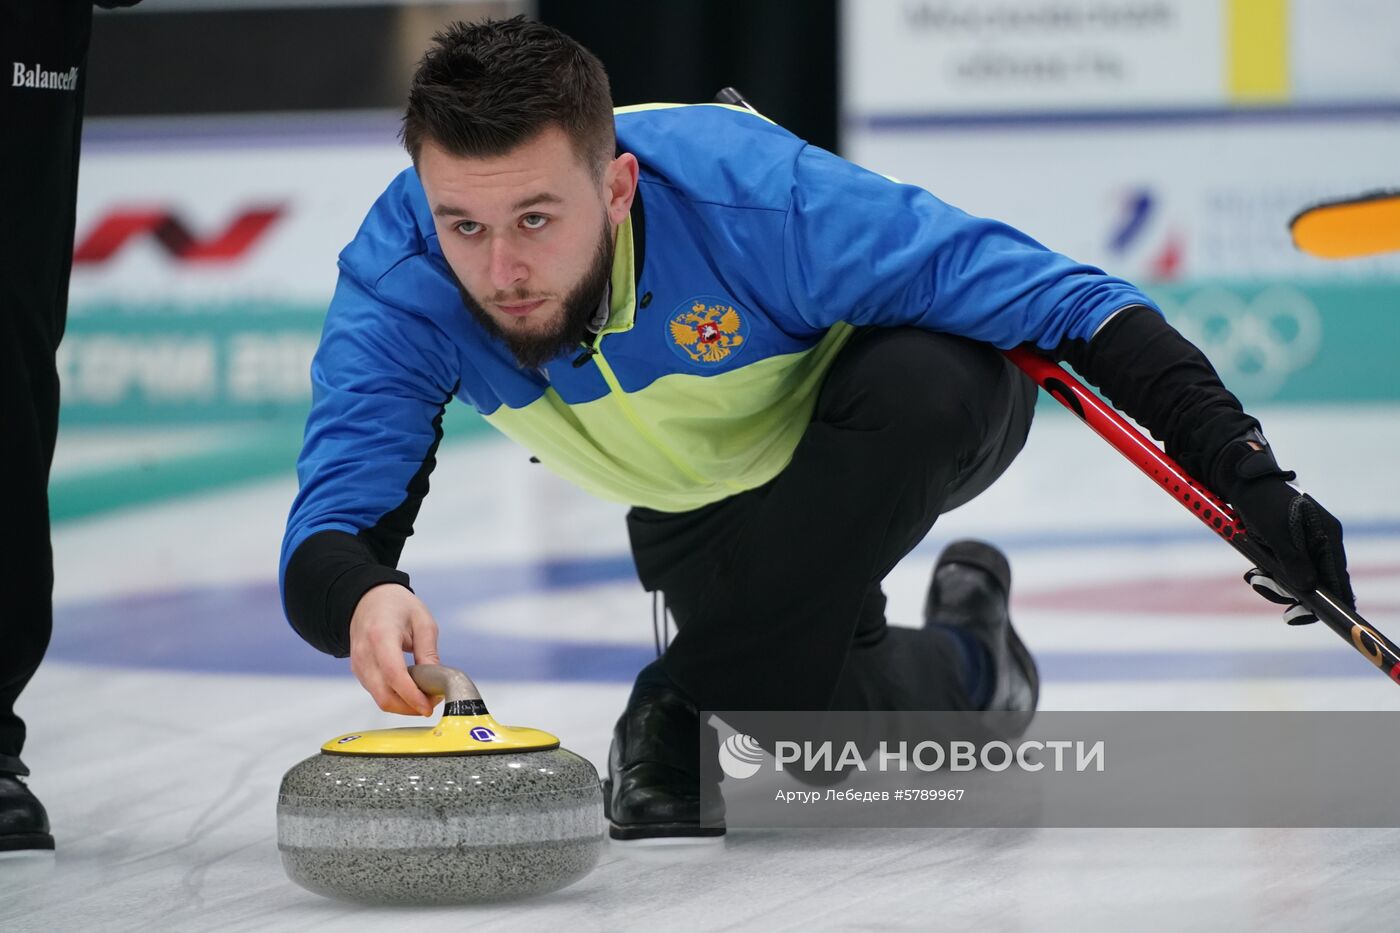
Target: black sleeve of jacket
{"type": "Point", "coordinates": [326, 577]}
{"type": "Point", "coordinates": [1147, 369]}
{"type": "Point", "coordinates": [329, 571]}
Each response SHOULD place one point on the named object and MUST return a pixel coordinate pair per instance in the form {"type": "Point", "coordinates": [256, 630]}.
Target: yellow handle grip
{"type": "Point", "coordinates": [1361, 226]}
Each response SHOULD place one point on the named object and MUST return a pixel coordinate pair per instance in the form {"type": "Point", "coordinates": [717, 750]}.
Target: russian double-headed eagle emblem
{"type": "Point", "coordinates": [707, 333]}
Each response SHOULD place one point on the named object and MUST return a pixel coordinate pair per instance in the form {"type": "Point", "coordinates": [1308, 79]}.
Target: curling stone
{"type": "Point", "coordinates": [465, 811]}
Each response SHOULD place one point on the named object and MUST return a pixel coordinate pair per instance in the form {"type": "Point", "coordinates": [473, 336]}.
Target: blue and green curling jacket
{"type": "Point", "coordinates": [747, 260]}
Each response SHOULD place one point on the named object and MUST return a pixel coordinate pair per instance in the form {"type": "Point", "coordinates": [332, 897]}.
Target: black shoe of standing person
{"type": "Point", "coordinates": [653, 788]}
{"type": "Point", "coordinates": [970, 590]}
{"type": "Point", "coordinates": [24, 825]}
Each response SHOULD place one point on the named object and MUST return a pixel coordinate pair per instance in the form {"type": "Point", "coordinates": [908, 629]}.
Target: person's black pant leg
{"type": "Point", "coordinates": [42, 122]}
{"type": "Point", "coordinates": [776, 591]}
{"type": "Point", "coordinates": [30, 401]}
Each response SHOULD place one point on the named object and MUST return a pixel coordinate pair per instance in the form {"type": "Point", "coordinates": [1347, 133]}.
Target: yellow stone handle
{"type": "Point", "coordinates": [466, 726]}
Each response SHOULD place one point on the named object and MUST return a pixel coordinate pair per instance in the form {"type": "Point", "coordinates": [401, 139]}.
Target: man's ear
{"type": "Point", "coordinates": [620, 183]}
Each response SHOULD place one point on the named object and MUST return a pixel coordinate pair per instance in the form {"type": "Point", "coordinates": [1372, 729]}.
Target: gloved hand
{"type": "Point", "coordinates": [1303, 537]}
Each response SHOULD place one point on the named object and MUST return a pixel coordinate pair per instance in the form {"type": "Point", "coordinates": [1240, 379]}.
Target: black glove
{"type": "Point", "coordinates": [1304, 539]}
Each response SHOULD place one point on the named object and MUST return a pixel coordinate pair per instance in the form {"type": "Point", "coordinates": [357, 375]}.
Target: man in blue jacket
{"type": "Point", "coordinates": [786, 365]}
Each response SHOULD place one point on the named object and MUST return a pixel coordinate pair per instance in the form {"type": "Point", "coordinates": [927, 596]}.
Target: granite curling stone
{"type": "Point", "coordinates": [462, 812]}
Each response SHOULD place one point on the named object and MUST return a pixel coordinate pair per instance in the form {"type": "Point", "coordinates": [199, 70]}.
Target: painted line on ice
{"type": "Point", "coordinates": [239, 628]}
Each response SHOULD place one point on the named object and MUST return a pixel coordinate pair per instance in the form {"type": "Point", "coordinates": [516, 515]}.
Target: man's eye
{"type": "Point", "coordinates": [534, 221]}
{"type": "Point", "coordinates": [468, 227]}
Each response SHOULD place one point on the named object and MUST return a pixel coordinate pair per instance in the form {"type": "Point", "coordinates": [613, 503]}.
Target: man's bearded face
{"type": "Point", "coordinates": [529, 235]}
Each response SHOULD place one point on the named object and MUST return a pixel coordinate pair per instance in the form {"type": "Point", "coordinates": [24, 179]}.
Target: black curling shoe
{"type": "Point", "coordinates": [653, 788]}
{"type": "Point", "coordinates": [24, 825]}
{"type": "Point", "coordinates": [970, 589]}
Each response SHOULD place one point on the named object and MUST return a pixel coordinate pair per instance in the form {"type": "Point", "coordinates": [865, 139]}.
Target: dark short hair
{"type": "Point", "coordinates": [485, 88]}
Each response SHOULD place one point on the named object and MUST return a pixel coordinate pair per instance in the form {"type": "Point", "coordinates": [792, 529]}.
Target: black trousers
{"type": "Point", "coordinates": [776, 591]}
{"type": "Point", "coordinates": [40, 129]}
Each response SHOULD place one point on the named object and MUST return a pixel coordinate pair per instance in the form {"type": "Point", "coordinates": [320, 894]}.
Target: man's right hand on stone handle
{"type": "Point", "coordinates": [388, 621]}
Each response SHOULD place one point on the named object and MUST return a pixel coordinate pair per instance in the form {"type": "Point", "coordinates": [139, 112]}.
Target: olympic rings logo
{"type": "Point", "coordinates": [1255, 344]}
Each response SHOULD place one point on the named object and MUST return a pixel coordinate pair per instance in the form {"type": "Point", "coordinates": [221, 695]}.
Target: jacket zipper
{"type": "Point", "coordinates": [613, 386]}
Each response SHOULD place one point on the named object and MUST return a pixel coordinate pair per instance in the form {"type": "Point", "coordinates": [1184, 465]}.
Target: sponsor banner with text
{"type": "Point", "coordinates": [915, 59]}
{"type": "Point", "coordinates": [1157, 203]}
{"type": "Point", "coordinates": [1195, 216]}
{"type": "Point", "coordinates": [961, 56]}
{"type": "Point", "coordinates": [203, 265]}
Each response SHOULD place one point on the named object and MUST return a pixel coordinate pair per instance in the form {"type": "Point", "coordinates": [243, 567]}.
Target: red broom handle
{"type": "Point", "coordinates": [1200, 501]}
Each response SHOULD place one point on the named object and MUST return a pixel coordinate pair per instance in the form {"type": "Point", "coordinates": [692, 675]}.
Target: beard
{"type": "Point", "coordinates": [533, 350]}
